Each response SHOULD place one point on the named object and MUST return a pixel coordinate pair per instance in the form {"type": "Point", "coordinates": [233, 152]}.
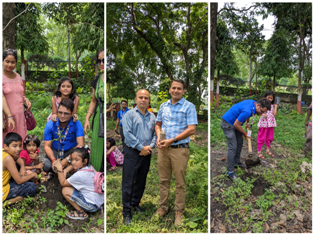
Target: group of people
{"type": "Point", "coordinates": [140, 132]}
{"type": "Point", "coordinates": [64, 145]}
{"type": "Point", "coordinates": [240, 113]}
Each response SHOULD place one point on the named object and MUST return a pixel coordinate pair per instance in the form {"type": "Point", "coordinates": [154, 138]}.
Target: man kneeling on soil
{"type": "Point", "coordinates": [17, 188]}
{"type": "Point", "coordinates": [72, 136]}
{"type": "Point", "coordinates": [231, 125]}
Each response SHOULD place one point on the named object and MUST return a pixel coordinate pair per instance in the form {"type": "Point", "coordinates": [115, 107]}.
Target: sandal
{"type": "Point", "coordinates": [81, 215]}
{"type": "Point", "coordinates": [260, 155]}
{"type": "Point", "coordinates": [270, 154]}
{"type": "Point", "coordinates": [113, 168]}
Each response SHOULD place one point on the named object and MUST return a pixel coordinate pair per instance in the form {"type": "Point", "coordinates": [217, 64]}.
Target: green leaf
{"type": "Point", "coordinates": [99, 222]}
{"type": "Point", "coordinates": [191, 224]}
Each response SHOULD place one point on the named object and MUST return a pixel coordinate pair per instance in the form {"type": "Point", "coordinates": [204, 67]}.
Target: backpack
{"type": "Point", "coordinates": [99, 181]}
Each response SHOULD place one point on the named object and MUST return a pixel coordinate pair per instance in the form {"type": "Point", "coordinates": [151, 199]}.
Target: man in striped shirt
{"type": "Point", "coordinates": [178, 118]}
{"type": "Point", "coordinates": [139, 138]}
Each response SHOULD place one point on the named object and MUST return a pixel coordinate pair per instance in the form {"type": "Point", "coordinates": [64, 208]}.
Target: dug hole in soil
{"type": "Point", "coordinates": [218, 160]}
{"type": "Point", "coordinates": [54, 194]}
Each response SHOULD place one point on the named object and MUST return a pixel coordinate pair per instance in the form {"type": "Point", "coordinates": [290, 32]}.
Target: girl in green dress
{"type": "Point", "coordinates": [97, 149]}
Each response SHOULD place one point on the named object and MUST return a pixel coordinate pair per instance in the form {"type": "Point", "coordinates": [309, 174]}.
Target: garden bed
{"type": "Point", "coordinates": [273, 196]}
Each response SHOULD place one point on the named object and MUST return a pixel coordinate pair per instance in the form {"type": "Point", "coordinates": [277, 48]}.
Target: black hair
{"type": "Point", "coordinates": [10, 137]}
{"type": "Point", "coordinates": [83, 153]}
{"type": "Point", "coordinates": [97, 54]}
{"type": "Point", "coordinates": [124, 101]}
{"type": "Point", "coordinates": [178, 80]}
{"type": "Point", "coordinates": [264, 103]}
{"type": "Point", "coordinates": [8, 52]}
{"type": "Point", "coordinates": [111, 141]}
{"type": "Point", "coordinates": [67, 103]}
{"type": "Point", "coordinates": [73, 92]}
{"type": "Point", "coordinates": [30, 138]}
{"type": "Point", "coordinates": [270, 93]}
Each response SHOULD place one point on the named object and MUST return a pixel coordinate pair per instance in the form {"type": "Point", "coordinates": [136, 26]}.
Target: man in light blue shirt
{"type": "Point", "coordinates": [139, 138]}
{"type": "Point", "coordinates": [178, 119]}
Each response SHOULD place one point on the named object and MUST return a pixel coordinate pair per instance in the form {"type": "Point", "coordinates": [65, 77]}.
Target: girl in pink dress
{"type": "Point", "coordinates": [14, 94]}
{"type": "Point", "coordinates": [114, 156]}
{"type": "Point", "coordinates": [266, 125]}
{"type": "Point", "coordinates": [30, 153]}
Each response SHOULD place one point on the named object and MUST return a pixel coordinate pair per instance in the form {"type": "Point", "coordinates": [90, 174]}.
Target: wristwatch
{"type": "Point", "coordinates": [175, 140]}
{"type": "Point", "coordinates": [69, 160]}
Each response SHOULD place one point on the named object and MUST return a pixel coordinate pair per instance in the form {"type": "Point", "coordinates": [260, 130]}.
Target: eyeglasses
{"type": "Point", "coordinates": [98, 61]}
{"type": "Point", "coordinates": [10, 50]}
{"type": "Point", "coordinates": [64, 113]}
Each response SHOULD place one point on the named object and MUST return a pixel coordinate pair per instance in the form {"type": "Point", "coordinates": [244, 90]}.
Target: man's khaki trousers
{"type": "Point", "coordinates": [176, 160]}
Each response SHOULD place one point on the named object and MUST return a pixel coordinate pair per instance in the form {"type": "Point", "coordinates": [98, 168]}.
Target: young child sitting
{"type": "Point", "coordinates": [78, 190]}
{"type": "Point", "coordinates": [30, 154]}
{"type": "Point", "coordinates": [18, 187]}
{"type": "Point", "coordinates": [114, 156]}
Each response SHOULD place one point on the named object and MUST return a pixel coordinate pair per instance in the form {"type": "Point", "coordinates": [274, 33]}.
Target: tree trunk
{"type": "Point", "coordinates": [255, 76]}
{"type": "Point", "coordinates": [213, 45]}
{"type": "Point", "coordinates": [8, 35]}
{"type": "Point", "coordinates": [250, 78]}
{"type": "Point", "coordinates": [78, 55]}
{"type": "Point", "coordinates": [69, 51]}
{"type": "Point", "coordinates": [274, 83]}
{"type": "Point", "coordinates": [217, 88]}
{"type": "Point", "coordinates": [301, 64]}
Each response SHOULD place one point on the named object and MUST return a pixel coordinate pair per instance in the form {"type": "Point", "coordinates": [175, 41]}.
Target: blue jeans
{"type": "Point", "coordinates": [22, 190]}
{"type": "Point", "coordinates": [79, 199]}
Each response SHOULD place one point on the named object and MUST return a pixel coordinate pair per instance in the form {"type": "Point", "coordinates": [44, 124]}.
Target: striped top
{"type": "Point", "coordinates": [176, 117]}
{"type": "Point", "coordinates": [139, 130]}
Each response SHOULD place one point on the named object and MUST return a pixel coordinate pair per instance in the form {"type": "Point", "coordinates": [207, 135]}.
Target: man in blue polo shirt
{"type": "Point", "coordinates": [72, 135]}
{"type": "Point", "coordinates": [120, 115]}
{"type": "Point", "coordinates": [231, 125]}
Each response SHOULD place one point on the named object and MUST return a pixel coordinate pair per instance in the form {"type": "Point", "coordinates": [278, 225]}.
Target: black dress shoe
{"type": "Point", "coordinates": [139, 209]}
{"type": "Point", "coordinates": [127, 220]}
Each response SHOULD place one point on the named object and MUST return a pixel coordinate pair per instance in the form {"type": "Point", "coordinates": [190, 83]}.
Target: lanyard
{"type": "Point", "coordinates": [65, 135]}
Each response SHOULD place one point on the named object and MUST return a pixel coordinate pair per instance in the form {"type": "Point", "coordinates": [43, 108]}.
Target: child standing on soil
{"type": "Point", "coordinates": [78, 190]}
{"type": "Point", "coordinates": [65, 89]}
{"type": "Point", "coordinates": [114, 156]}
{"type": "Point", "coordinates": [16, 188]}
{"type": "Point", "coordinates": [266, 125]}
{"type": "Point", "coordinates": [30, 154]}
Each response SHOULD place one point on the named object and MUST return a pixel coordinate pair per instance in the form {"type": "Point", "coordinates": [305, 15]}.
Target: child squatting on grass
{"type": "Point", "coordinates": [30, 154]}
{"type": "Point", "coordinates": [114, 156]}
{"type": "Point", "coordinates": [266, 125]}
{"type": "Point", "coordinates": [16, 188]}
{"type": "Point", "coordinates": [78, 190]}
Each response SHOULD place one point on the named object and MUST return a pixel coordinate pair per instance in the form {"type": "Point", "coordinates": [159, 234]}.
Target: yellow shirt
{"type": "Point", "coordinates": [5, 179]}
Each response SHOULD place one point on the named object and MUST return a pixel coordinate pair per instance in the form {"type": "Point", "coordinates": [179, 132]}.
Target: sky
{"type": "Point", "coordinates": [268, 22]}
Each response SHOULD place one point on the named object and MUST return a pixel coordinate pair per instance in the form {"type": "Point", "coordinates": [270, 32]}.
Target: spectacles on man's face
{"type": "Point", "coordinates": [98, 61]}
{"type": "Point", "coordinates": [64, 113]}
{"type": "Point", "coordinates": [11, 50]}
